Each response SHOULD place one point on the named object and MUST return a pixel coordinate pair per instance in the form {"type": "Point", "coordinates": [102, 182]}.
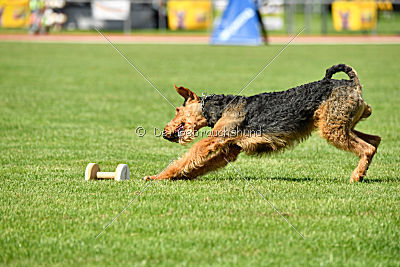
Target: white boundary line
{"type": "Point", "coordinates": [181, 43]}
{"type": "Point", "coordinates": [189, 43]}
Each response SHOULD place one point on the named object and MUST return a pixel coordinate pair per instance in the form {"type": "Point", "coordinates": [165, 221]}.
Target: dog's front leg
{"type": "Point", "coordinates": [206, 155]}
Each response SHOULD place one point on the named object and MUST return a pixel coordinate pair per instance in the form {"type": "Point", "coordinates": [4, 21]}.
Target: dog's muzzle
{"type": "Point", "coordinates": [171, 137]}
{"type": "Point", "coordinates": [174, 136]}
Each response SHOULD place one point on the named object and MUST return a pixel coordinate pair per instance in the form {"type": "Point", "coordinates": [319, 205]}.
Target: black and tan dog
{"type": "Point", "coordinates": [269, 122]}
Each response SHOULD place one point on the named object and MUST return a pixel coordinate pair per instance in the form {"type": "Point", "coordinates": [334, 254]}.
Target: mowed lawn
{"type": "Point", "coordinates": [65, 105]}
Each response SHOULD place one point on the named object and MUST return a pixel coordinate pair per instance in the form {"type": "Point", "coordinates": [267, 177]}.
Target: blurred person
{"type": "Point", "coordinates": [44, 16]}
{"type": "Point", "coordinates": [37, 8]}
{"type": "Point", "coordinates": [258, 4]}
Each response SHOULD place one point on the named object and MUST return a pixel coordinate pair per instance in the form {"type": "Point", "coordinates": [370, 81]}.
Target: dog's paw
{"type": "Point", "coordinates": [149, 178]}
{"type": "Point", "coordinates": [356, 177]}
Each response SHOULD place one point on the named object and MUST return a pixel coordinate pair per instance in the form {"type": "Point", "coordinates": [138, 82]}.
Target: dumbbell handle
{"type": "Point", "coordinates": [105, 175]}
{"type": "Point", "coordinates": [92, 172]}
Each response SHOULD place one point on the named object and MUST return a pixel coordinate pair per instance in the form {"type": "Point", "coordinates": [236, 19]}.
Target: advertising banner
{"type": "Point", "coordinates": [273, 14]}
{"type": "Point", "coordinates": [189, 15]}
{"type": "Point", "coordinates": [111, 10]}
{"type": "Point", "coordinates": [239, 25]}
{"type": "Point", "coordinates": [14, 13]}
{"type": "Point", "coordinates": [354, 16]}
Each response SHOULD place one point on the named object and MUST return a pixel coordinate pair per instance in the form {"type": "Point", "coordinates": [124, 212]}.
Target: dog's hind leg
{"type": "Point", "coordinates": [206, 155]}
{"type": "Point", "coordinates": [374, 140]}
{"type": "Point", "coordinates": [336, 119]}
{"type": "Point", "coordinates": [371, 139]}
{"type": "Point", "coordinates": [365, 151]}
{"type": "Point", "coordinates": [349, 141]}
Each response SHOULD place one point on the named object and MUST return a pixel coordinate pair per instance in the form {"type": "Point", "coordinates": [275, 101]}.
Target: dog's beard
{"type": "Point", "coordinates": [186, 136]}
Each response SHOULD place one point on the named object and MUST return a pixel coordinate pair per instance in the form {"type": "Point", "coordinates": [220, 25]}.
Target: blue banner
{"type": "Point", "coordinates": [239, 25]}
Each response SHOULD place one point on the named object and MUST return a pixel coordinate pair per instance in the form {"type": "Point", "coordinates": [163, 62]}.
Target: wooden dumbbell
{"type": "Point", "coordinates": [93, 172]}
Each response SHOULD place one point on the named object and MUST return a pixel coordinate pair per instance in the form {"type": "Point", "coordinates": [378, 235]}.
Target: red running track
{"type": "Point", "coordinates": [191, 39]}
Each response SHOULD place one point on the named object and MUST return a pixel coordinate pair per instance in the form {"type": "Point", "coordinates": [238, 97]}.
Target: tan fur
{"type": "Point", "coordinates": [190, 114]}
{"type": "Point", "coordinates": [336, 119]}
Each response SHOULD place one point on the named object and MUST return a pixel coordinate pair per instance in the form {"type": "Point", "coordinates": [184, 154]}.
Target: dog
{"type": "Point", "coordinates": [270, 122]}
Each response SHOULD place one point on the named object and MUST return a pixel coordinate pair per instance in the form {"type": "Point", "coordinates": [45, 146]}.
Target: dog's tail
{"type": "Point", "coordinates": [354, 78]}
{"type": "Point", "coordinates": [343, 68]}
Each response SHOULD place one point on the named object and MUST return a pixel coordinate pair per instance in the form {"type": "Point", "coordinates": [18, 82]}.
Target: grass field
{"type": "Point", "coordinates": [63, 106]}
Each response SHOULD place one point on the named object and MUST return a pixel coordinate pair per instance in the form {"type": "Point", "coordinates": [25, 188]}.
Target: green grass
{"type": "Point", "coordinates": [63, 106]}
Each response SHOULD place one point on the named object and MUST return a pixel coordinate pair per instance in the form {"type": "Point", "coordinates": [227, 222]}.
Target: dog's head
{"type": "Point", "coordinates": [188, 118]}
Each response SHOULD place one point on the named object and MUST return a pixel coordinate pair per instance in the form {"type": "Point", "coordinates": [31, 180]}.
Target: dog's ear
{"type": "Point", "coordinates": [186, 93]}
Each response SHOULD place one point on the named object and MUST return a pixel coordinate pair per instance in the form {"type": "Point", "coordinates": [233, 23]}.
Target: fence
{"type": "Point", "coordinates": [279, 16]}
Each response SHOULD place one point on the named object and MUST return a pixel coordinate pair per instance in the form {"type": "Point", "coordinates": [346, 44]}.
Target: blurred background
{"type": "Point", "coordinates": [200, 17]}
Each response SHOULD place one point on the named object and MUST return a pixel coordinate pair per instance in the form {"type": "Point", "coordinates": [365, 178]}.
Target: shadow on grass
{"type": "Point", "coordinates": [305, 179]}
{"type": "Point", "coordinates": [290, 179]}
{"type": "Point", "coordinates": [370, 181]}
{"type": "Point", "coordinates": [255, 178]}
{"type": "Point", "coordinates": [308, 179]}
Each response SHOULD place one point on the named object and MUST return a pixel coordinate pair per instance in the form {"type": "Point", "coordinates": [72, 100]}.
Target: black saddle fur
{"type": "Point", "coordinates": [277, 112]}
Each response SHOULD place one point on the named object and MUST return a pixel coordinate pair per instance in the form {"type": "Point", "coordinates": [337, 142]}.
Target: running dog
{"type": "Point", "coordinates": [270, 122]}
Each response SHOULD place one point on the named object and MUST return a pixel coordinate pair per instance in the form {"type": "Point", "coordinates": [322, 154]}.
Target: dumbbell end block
{"type": "Point", "coordinates": [122, 172]}
{"type": "Point", "coordinates": [91, 171]}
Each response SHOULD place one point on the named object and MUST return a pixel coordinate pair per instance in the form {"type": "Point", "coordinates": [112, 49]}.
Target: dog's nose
{"type": "Point", "coordinates": [170, 137]}
{"type": "Point", "coordinates": [165, 135]}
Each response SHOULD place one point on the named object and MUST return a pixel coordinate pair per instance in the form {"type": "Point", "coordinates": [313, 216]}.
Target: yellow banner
{"type": "Point", "coordinates": [385, 5]}
{"type": "Point", "coordinates": [14, 13]}
{"type": "Point", "coordinates": [189, 15]}
{"type": "Point", "coordinates": [354, 16]}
